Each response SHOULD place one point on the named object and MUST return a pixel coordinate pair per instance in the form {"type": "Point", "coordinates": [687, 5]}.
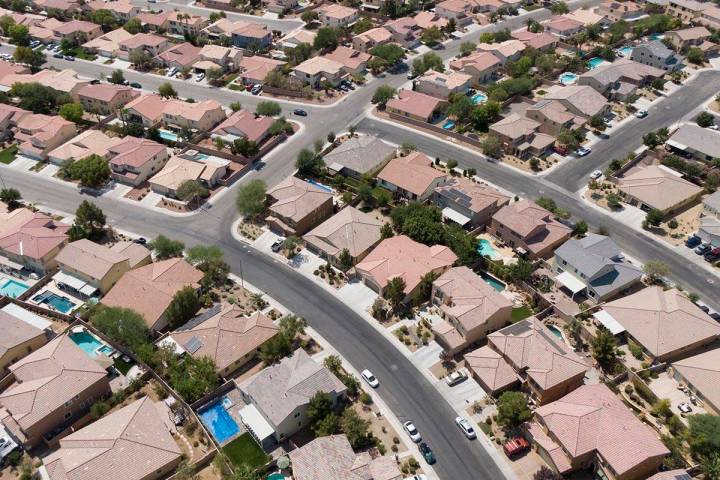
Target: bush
{"type": "Point", "coordinates": [644, 391]}
{"type": "Point", "coordinates": [365, 398]}
{"type": "Point", "coordinates": [629, 389]}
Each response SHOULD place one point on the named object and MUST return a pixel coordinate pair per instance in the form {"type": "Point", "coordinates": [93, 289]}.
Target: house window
{"type": "Point", "coordinates": [297, 414]}
{"type": "Point", "coordinates": [68, 415]}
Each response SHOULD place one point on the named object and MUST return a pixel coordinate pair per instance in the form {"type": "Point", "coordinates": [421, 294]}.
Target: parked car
{"type": "Point", "coordinates": [69, 58]}
{"type": "Point", "coordinates": [419, 476]}
{"type": "Point", "coordinates": [712, 255]}
{"type": "Point", "coordinates": [456, 377]}
{"type": "Point", "coordinates": [703, 248]}
{"type": "Point", "coordinates": [641, 113]}
{"type": "Point", "coordinates": [370, 378]}
{"type": "Point", "coordinates": [685, 408]}
{"type": "Point", "coordinates": [427, 453]}
{"type": "Point", "coordinates": [693, 241]}
{"type": "Point", "coordinates": [135, 85]}
{"type": "Point", "coordinates": [275, 247]}
{"type": "Point", "coordinates": [466, 428]}
{"type": "Point", "coordinates": [562, 150]}
{"type": "Point", "coordinates": [582, 151]}
{"type": "Point", "coordinates": [58, 55]}
{"type": "Point", "coordinates": [140, 241]}
{"type": "Point", "coordinates": [94, 81]}
{"type": "Point", "coordinates": [516, 446]}
{"type": "Point", "coordinates": [595, 175]}
{"type": "Point", "coordinates": [300, 112]}
{"type": "Point", "coordinates": [412, 431]}
{"type": "Point", "coordinates": [714, 127]}
{"type": "Point", "coordinates": [172, 72]}
{"type": "Point", "coordinates": [256, 89]}
{"type": "Point", "coordinates": [199, 77]}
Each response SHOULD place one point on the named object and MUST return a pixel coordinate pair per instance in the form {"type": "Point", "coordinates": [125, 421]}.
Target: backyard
{"type": "Point", "coordinates": [245, 451]}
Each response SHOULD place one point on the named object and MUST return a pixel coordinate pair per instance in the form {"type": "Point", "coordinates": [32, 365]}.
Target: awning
{"type": "Point", "coordinates": [569, 281]}
{"type": "Point", "coordinates": [88, 290]}
{"type": "Point", "coordinates": [677, 145]}
{"type": "Point", "coordinates": [256, 423]}
{"type": "Point", "coordinates": [69, 280]}
{"type": "Point", "coordinates": [27, 316]}
{"type": "Point", "coordinates": [608, 322]}
{"type": "Point", "coordinates": [456, 217]}
{"type": "Point", "coordinates": [9, 263]}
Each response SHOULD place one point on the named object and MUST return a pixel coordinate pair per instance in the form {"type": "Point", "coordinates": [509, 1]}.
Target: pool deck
{"type": "Point", "coordinates": [236, 397]}
{"type": "Point", "coordinates": [52, 287]}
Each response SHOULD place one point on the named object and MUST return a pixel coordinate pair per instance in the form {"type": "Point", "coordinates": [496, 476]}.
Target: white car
{"type": "Point", "coordinates": [582, 151]}
{"type": "Point", "coordinates": [172, 72]}
{"type": "Point", "coordinates": [370, 378]}
{"type": "Point", "coordinates": [641, 113]}
{"type": "Point", "coordinates": [466, 428]}
{"type": "Point", "coordinates": [685, 408]}
{"type": "Point", "coordinates": [455, 377]}
{"type": "Point", "coordinates": [412, 431]}
{"type": "Point", "coordinates": [199, 76]}
{"type": "Point", "coordinates": [596, 174]}
{"type": "Point", "coordinates": [419, 476]}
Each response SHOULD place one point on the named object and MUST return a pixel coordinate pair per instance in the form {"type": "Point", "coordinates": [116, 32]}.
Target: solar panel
{"type": "Point", "coordinates": [193, 345]}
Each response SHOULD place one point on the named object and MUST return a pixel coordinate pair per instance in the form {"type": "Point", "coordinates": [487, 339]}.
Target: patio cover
{"type": "Point", "coordinates": [9, 263]}
{"type": "Point", "coordinates": [609, 322]}
{"type": "Point", "coordinates": [74, 282]}
{"type": "Point", "coordinates": [456, 217]}
{"type": "Point", "coordinates": [256, 423]}
{"type": "Point", "coordinates": [27, 316]}
{"type": "Point", "coordinates": [677, 145]}
{"type": "Point", "coordinates": [569, 281]}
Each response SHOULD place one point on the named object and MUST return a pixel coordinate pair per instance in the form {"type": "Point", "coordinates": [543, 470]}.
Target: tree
{"type": "Point", "coordinates": [28, 56]}
{"type": "Point", "coordinates": [390, 52]}
{"type": "Point", "coordinates": [89, 222]}
{"type": "Point", "coordinates": [656, 269]}
{"type": "Point", "coordinates": [35, 97]}
{"type": "Point", "coordinates": [461, 108]}
{"type": "Point", "coordinates": [209, 260]}
{"type": "Point", "coordinates": [613, 200]}
{"type": "Point", "coordinates": [546, 474]}
{"type": "Point", "coordinates": [122, 325]}
{"type": "Point", "coordinates": [513, 409]}
{"type": "Point", "coordinates": [214, 76]}
{"type": "Point", "coordinates": [710, 467]}
{"type": "Point", "coordinates": [654, 217]}
{"type": "Point", "coordinates": [309, 16]}
{"type": "Point", "coordinates": [19, 35]}
{"type": "Point", "coordinates": [6, 21]}
{"type": "Point", "coordinates": [362, 25]}
{"type": "Point", "coordinates": [580, 229]}
{"type": "Point", "coordinates": [382, 95]}
{"type": "Point", "coordinates": [117, 77]}
{"type": "Point", "coordinates": [559, 8]}
{"type": "Point", "coordinates": [72, 112]}
{"type": "Point", "coordinates": [386, 231]}
{"type": "Point", "coordinates": [281, 126]}
{"type": "Point", "coordinates": [695, 55]}
{"type": "Point", "coordinates": [466, 48]}
{"type": "Point", "coordinates": [355, 428]}
{"type": "Point", "coordinates": [521, 67]}
{"type": "Point", "coordinates": [92, 171]}
{"type": "Point", "coordinates": [243, 146]}
{"type": "Point", "coordinates": [191, 190]}
{"type": "Point", "coordinates": [183, 306]}
{"type": "Point", "coordinates": [491, 146]}
{"type": "Point", "coordinates": [165, 247]}
{"type": "Point", "coordinates": [377, 65]}
{"type": "Point", "coordinates": [166, 90]}
{"type": "Point", "coordinates": [103, 17]}
{"type": "Point", "coordinates": [326, 39]}
{"type": "Point", "coordinates": [483, 115]}
{"type": "Point", "coordinates": [275, 349]}
{"type": "Point", "coordinates": [334, 364]}
{"type": "Point", "coordinates": [705, 119]}
{"type": "Point", "coordinates": [133, 26]}
{"type": "Point", "coordinates": [395, 291]}
{"type": "Point", "coordinates": [250, 199]}
{"type": "Point", "coordinates": [291, 326]}
{"type": "Point", "coordinates": [99, 409]}
{"type": "Point", "coordinates": [521, 270]}
{"type": "Point", "coordinates": [345, 259]}
{"type": "Point", "coordinates": [429, 61]}
{"type": "Point", "coordinates": [235, 106]}
{"type": "Point", "coordinates": [431, 36]}
{"type": "Point", "coordinates": [604, 347]}
{"type": "Point", "coordinates": [10, 197]}
{"type": "Point", "coordinates": [319, 407]}
{"type": "Point", "coordinates": [309, 163]}
{"type": "Point", "coordinates": [268, 109]}
{"type": "Point", "coordinates": [704, 435]}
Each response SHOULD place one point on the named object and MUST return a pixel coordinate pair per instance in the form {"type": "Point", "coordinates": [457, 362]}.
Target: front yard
{"type": "Point", "coordinates": [8, 155]}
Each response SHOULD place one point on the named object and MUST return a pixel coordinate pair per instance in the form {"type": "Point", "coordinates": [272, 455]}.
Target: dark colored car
{"type": "Point", "coordinates": [58, 55]}
{"type": "Point", "coordinates": [277, 245]}
{"type": "Point", "coordinates": [300, 112]}
{"type": "Point", "coordinates": [427, 453]}
{"type": "Point", "coordinates": [703, 249]}
{"type": "Point", "coordinates": [140, 241]}
{"type": "Point", "coordinates": [94, 81]}
{"type": "Point", "coordinates": [135, 85]}
{"type": "Point", "coordinates": [712, 255]}
{"type": "Point", "coordinates": [693, 241]}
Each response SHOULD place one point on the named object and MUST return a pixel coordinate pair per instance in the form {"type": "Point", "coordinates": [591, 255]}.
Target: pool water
{"type": "Point", "coordinates": [13, 288]}
{"type": "Point", "coordinates": [321, 186]}
{"type": "Point", "coordinates": [276, 476]}
{"type": "Point", "coordinates": [479, 98]}
{"type": "Point", "coordinates": [625, 51]}
{"type": "Point", "coordinates": [170, 136]}
{"type": "Point", "coordinates": [219, 422]}
{"type": "Point", "coordinates": [556, 331]}
{"type": "Point", "coordinates": [202, 156]}
{"type": "Point", "coordinates": [568, 78]}
{"type": "Point", "coordinates": [657, 36]}
{"type": "Point", "coordinates": [89, 344]}
{"type": "Point", "coordinates": [61, 304]}
{"type": "Point", "coordinates": [486, 249]}
{"type": "Point", "coordinates": [595, 62]}
{"type": "Point", "coordinates": [449, 125]}
{"type": "Point", "coordinates": [492, 281]}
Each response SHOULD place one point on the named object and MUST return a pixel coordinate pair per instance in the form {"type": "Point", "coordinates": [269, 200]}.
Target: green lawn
{"type": "Point", "coordinates": [520, 313]}
{"type": "Point", "coordinates": [79, 52]}
{"type": "Point", "coordinates": [8, 155]}
{"type": "Point", "coordinates": [244, 450]}
{"type": "Point", "coordinates": [122, 366]}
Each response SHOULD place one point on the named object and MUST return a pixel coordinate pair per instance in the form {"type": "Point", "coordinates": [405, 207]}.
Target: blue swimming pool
{"type": "Point", "coordinates": [168, 135]}
{"type": "Point", "coordinates": [492, 281]}
{"type": "Point", "coordinates": [321, 186]}
{"type": "Point", "coordinates": [595, 62]}
{"type": "Point", "coordinates": [625, 51]}
{"type": "Point", "coordinates": [449, 125]}
{"type": "Point", "coordinates": [479, 98]}
{"type": "Point", "coordinates": [568, 78]}
{"type": "Point", "coordinates": [89, 344]}
{"type": "Point", "coordinates": [12, 288]}
{"type": "Point", "coordinates": [657, 36]}
{"type": "Point", "coordinates": [486, 249]}
{"type": "Point", "coordinates": [219, 422]}
{"type": "Point", "coordinates": [276, 476]}
{"type": "Point", "coordinates": [61, 304]}
{"type": "Point", "coordinates": [555, 331]}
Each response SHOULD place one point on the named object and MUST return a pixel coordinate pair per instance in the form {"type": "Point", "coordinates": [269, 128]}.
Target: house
{"type": "Point", "coordinates": [105, 98]}
{"type": "Point", "coordinates": [222, 28]}
{"type": "Point", "coordinates": [19, 339]}
{"type": "Point", "coordinates": [52, 387]}
{"type": "Point", "coordinates": [62, 81]}
{"type": "Point", "coordinates": [154, 22]}
{"type": "Point", "coordinates": [89, 142]}
{"type": "Point", "coordinates": [138, 255]}
{"type": "Point", "coordinates": [107, 44]}
{"type": "Point", "coordinates": [38, 134]}
{"type": "Point", "coordinates": [199, 116]}
{"type": "Point", "coordinates": [403, 257]}
{"type": "Point", "coordinates": [149, 289]}
{"type": "Point", "coordinates": [295, 38]}
{"type": "Point", "coordinates": [358, 156]}
{"type": "Point", "coordinates": [30, 241]}
{"type": "Point", "coordinates": [481, 66]}
{"type": "Point", "coordinates": [335, 15]}
{"type": "Point", "coordinates": [122, 9]}
{"type": "Point", "coordinates": [415, 105]}
{"type": "Point", "coordinates": [592, 428]}
{"type": "Point", "coordinates": [280, 6]}
{"type": "Point", "coordinates": [563, 27]}
{"type": "Point", "coordinates": [67, 7]}
{"type": "Point", "coordinates": [316, 71]}
{"type": "Point", "coordinates": [441, 85]}
{"type": "Point", "coordinates": [595, 265]}
{"type": "Point", "coordinates": [405, 31]}
{"type": "Point", "coordinates": [709, 229]}
{"type": "Point", "coordinates": [149, 43]}
{"type": "Point", "coordinates": [554, 117]}
{"type": "Point", "coordinates": [701, 143]}
{"type": "Point", "coordinates": [369, 39]}
{"type": "Point", "coordinates": [147, 110]}
{"type": "Point", "coordinates": [100, 450]}
{"type": "Point", "coordinates": [77, 31]}
{"type": "Point", "coordinates": [687, 10]}
{"type": "Point", "coordinates": [427, 19]}
{"type": "Point", "coordinates": [657, 55]}
{"type": "Point", "coordinates": [468, 203]}
{"type": "Point", "coordinates": [470, 308]}
{"type": "Point", "coordinates": [412, 177]}
{"type": "Point", "coordinates": [657, 186]}
{"type": "Point", "coordinates": [529, 228]}
{"type": "Point", "coordinates": [296, 206]}
{"type": "Point", "coordinates": [667, 324]}
{"type": "Point", "coordinates": [620, 79]}
{"type": "Point", "coordinates": [348, 230]}
{"type": "Point", "coordinates": [507, 51]}
{"type": "Point", "coordinates": [710, 16]}
{"type": "Point", "coordinates": [227, 59]}
{"type": "Point", "coordinates": [543, 41]}
{"type": "Point", "coordinates": [580, 100]}
{"type": "Point", "coordinates": [457, 10]}
{"type": "Point", "coordinates": [333, 457]}
{"type": "Point", "coordinates": [589, 16]}
{"type": "Point", "coordinates": [545, 365]}
{"type": "Point", "coordinates": [253, 70]}
{"type": "Point", "coordinates": [182, 24]}
{"type": "Point", "coordinates": [701, 374]}
{"type": "Point", "coordinates": [244, 124]}
{"type": "Point", "coordinates": [226, 335]}
{"type": "Point", "coordinates": [282, 392]}
{"type": "Point", "coordinates": [179, 56]}
{"type": "Point", "coordinates": [255, 35]}
{"type": "Point", "coordinates": [90, 269]}
{"type": "Point", "coordinates": [520, 136]}
{"type": "Point", "coordinates": [353, 62]}
{"type": "Point", "coordinates": [179, 170]}
{"type": "Point", "coordinates": [615, 11]}
{"type": "Point", "coordinates": [42, 30]}
{"type": "Point", "coordinates": [9, 117]}
{"type": "Point", "coordinates": [688, 37]}
{"type": "Point", "coordinates": [133, 160]}
{"type": "Point", "coordinates": [671, 475]}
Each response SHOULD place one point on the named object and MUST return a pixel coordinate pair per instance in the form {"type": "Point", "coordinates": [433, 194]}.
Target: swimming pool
{"type": "Point", "coordinates": [657, 36]}
{"type": "Point", "coordinates": [168, 135]}
{"type": "Point", "coordinates": [89, 344]}
{"type": "Point", "coordinates": [448, 125]}
{"type": "Point", "coordinates": [492, 281]}
{"type": "Point", "coordinates": [625, 51]}
{"type": "Point", "coordinates": [13, 289]}
{"type": "Point", "coordinates": [219, 422]}
{"type": "Point", "coordinates": [556, 331]}
{"type": "Point", "coordinates": [61, 304]}
{"type": "Point", "coordinates": [595, 62]}
{"type": "Point", "coordinates": [486, 249]}
{"type": "Point", "coordinates": [479, 98]}
{"type": "Point", "coordinates": [276, 476]}
{"type": "Point", "coordinates": [321, 186]}
{"type": "Point", "coordinates": [568, 78]}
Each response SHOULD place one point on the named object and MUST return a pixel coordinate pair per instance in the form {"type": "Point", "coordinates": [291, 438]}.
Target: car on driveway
{"type": "Point", "coordinates": [412, 431]}
{"type": "Point", "coordinates": [685, 408]}
{"type": "Point", "coordinates": [199, 77]}
{"type": "Point", "coordinates": [582, 151]}
{"type": "Point", "coordinates": [703, 248]}
{"type": "Point", "coordinates": [712, 255]}
{"type": "Point", "coordinates": [256, 89]}
{"type": "Point", "coordinates": [466, 428]}
{"type": "Point", "coordinates": [693, 241]}
{"type": "Point", "coordinates": [427, 453]}
{"type": "Point", "coordinates": [516, 446]}
{"type": "Point", "coordinates": [641, 113]}
{"type": "Point", "coordinates": [277, 246]}
{"type": "Point", "coordinates": [172, 72]}
{"type": "Point", "coordinates": [419, 476]}
{"type": "Point", "coordinates": [455, 377]}
{"type": "Point", "coordinates": [595, 175]}
{"type": "Point", "coordinates": [300, 112]}
{"type": "Point", "coordinates": [58, 55]}
{"type": "Point", "coordinates": [370, 378]}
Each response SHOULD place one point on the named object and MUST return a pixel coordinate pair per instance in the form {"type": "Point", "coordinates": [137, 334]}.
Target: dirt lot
{"type": "Point", "coordinates": [380, 427]}
{"type": "Point", "coordinates": [688, 223]}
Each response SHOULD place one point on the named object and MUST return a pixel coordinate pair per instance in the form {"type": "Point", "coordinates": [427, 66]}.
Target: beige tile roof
{"type": "Point", "coordinates": [655, 185]}
{"type": "Point", "coordinates": [134, 152]}
{"type": "Point", "coordinates": [555, 111]}
{"type": "Point", "coordinates": [33, 235]}
{"type": "Point", "coordinates": [184, 54]}
{"type": "Point", "coordinates": [671, 475]}
{"type": "Point", "coordinates": [296, 198]}
{"type": "Point", "coordinates": [662, 321]}
{"type": "Point", "coordinates": [703, 372]}
{"type": "Point", "coordinates": [47, 378]}
{"type": "Point", "coordinates": [43, 127]}
{"type": "Point", "coordinates": [109, 42]}
{"type": "Point", "coordinates": [143, 40]}
{"type": "Point", "coordinates": [348, 57]}
{"type": "Point", "coordinates": [254, 127]}
{"type": "Point", "coordinates": [89, 142]}
{"type": "Point", "coordinates": [149, 106]}
{"type": "Point", "coordinates": [414, 103]}
{"type": "Point", "coordinates": [480, 61]}
{"type": "Point", "coordinates": [257, 67]}
{"type": "Point", "coordinates": [530, 346]}
{"type": "Point", "coordinates": [129, 444]}
{"type": "Point", "coordinates": [593, 419]}
{"type": "Point", "coordinates": [586, 16]}
{"type": "Point", "coordinates": [105, 92]}
{"type": "Point", "coordinates": [623, 68]}
{"type": "Point", "coordinates": [555, 451]}
{"type": "Point", "coordinates": [317, 65]}
{"type": "Point", "coordinates": [401, 256]}
{"type": "Point", "coordinates": [491, 368]}
{"type": "Point", "coordinates": [336, 11]}
{"type": "Point", "coordinates": [450, 80]}
{"type": "Point", "coordinates": [149, 289]}
{"type": "Point", "coordinates": [515, 126]}
{"type": "Point", "coordinates": [177, 171]}
{"type": "Point", "coordinates": [227, 335]}
{"type": "Point", "coordinates": [694, 33]}
{"type": "Point", "coordinates": [562, 23]}
{"type": "Point", "coordinates": [413, 173]}
{"type": "Point", "coordinates": [192, 111]}
{"type": "Point", "coordinates": [281, 388]}
{"type": "Point", "coordinates": [348, 229]}
{"type": "Point", "coordinates": [533, 223]}
{"type": "Point", "coordinates": [585, 99]}
{"type": "Point", "coordinates": [135, 252]}
{"type": "Point", "coordinates": [74, 26]}
{"type": "Point", "coordinates": [15, 332]}
{"type": "Point", "coordinates": [507, 49]}
{"type": "Point", "coordinates": [118, 6]}
{"type": "Point", "coordinates": [479, 196]}
{"type": "Point", "coordinates": [377, 35]}
{"type": "Point", "coordinates": [91, 259]}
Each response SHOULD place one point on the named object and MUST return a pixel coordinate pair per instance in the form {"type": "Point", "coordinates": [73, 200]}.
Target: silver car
{"type": "Point", "coordinates": [466, 428]}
